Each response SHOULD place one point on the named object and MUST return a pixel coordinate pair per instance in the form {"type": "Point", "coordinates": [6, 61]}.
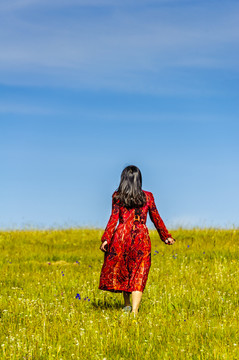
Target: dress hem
{"type": "Point", "coordinates": [119, 290]}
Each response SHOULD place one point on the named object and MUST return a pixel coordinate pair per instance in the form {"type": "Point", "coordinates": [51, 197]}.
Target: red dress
{"type": "Point", "coordinates": [128, 258]}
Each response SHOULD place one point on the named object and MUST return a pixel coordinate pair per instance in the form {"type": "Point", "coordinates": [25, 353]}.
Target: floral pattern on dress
{"type": "Point", "coordinates": [127, 260]}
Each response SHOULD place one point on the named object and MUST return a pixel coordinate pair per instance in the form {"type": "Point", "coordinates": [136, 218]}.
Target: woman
{"type": "Point", "coordinates": [127, 248]}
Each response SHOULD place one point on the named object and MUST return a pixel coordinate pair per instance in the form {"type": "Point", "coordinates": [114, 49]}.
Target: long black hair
{"type": "Point", "coordinates": [129, 192]}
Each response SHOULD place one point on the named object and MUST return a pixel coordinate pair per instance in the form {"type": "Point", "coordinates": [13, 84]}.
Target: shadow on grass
{"type": "Point", "coordinates": [106, 305]}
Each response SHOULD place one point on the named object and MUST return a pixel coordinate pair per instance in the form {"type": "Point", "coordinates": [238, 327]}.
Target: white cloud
{"type": "Point", "coordinates": [109, 116]}
{"type": "Point", "coordinates": [26, 109]}
{"type": "Point", "coordinates": [123, 48]}
{"type": "Point", "coordinates": [15, 5]}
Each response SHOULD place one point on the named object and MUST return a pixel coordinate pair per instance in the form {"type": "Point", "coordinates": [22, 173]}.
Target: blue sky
{"type": "Point", "coordinates": [88, 87]}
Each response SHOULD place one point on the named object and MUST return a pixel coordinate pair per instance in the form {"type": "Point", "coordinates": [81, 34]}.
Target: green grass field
{"type": "Point", "coordinates": [189, 308]}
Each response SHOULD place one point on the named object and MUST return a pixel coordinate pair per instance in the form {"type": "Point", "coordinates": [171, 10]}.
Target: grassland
{"type": "Point", "coordinates": [189, 308]}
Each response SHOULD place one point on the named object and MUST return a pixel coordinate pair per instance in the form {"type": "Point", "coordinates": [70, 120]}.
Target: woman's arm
{"type": "Point", "coordinates": [108, 233]}
{"type": "Point", "coordinates": [165, 236]}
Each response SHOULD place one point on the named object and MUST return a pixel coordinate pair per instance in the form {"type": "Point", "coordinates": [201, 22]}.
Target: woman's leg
{"type": "Point", "coordinates": [136, 299]}
{"type": "Point", "coordinates": [126, 298]}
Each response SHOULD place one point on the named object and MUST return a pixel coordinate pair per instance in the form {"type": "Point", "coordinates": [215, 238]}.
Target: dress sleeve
{"type": "Point", "coordinates": [109, 230]}
{"type": "Point", "coordinates": [156, 219]}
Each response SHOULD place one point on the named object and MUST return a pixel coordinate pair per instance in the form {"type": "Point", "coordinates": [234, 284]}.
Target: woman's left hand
{"type": "Point", "coordinates": [170, 241]}
{"type": "Point", "coordinates": [104, 246]}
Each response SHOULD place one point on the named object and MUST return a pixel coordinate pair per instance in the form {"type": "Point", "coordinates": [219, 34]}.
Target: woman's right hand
{"type": "Point", "coordinates": [104, 246]}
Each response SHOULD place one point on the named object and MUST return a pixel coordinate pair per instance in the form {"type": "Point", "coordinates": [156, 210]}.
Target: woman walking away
{"type": "Point", "coordinates": [127, 248]}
